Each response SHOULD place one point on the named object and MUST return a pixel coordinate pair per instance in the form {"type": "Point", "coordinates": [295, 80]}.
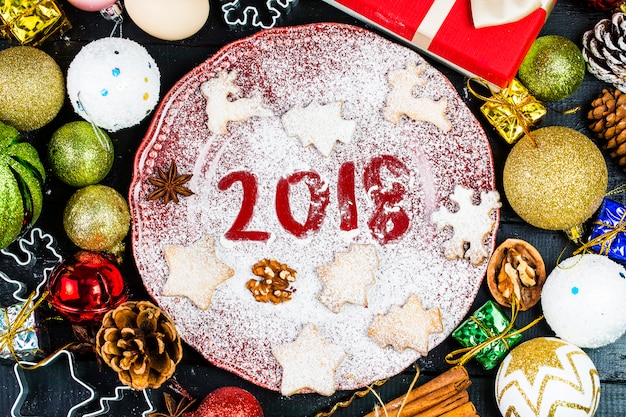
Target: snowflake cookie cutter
{"type": "Point", "coordinates": [20, 374]}
{"type": "Point", "coordinates": [239, 12]}
{"type": "Point", "coordinates": [120, 394]}
{"type": "Point", "coordinates": [36, 237]}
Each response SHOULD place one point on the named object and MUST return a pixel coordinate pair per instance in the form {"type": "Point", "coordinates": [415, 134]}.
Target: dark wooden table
{"type": "Point", "coordinates": [175, 59]}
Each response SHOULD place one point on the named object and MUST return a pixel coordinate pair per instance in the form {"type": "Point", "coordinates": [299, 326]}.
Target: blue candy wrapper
{"type": "Point", "coordinates": [608, 236]}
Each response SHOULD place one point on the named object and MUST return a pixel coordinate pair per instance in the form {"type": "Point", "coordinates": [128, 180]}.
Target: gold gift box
{"type": "Point", "coordinates": [32, 22]}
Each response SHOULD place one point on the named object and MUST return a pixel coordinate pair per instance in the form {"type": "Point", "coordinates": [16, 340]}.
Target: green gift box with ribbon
{"type": "Point", "coordinates": [488, 323]}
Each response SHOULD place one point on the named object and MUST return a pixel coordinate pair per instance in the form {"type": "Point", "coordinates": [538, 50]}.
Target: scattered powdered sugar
{"type": "Point", "coordinates": [288, 67]}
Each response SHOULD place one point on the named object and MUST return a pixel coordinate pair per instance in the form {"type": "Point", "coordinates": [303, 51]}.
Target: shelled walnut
{"type": "Point", "coordinates": [517, 269]}
{"type": "Point", "coordinates": [275, 282]}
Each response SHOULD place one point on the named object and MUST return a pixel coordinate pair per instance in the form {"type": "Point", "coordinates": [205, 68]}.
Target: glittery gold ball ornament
{"type": "Point", "coordinates": [558, 183]}
{"type": "Point", "coordinates": [32, 87]}
{"type": "Point", "coordinates": [113, 83]}
{"type": "Point", "coordinates": [22, 177]}
{"type": "Point", "coordinates": [80, 153]}
{"type": "Point", "coordinates": [553, 68]}
{"type": "Point", "coordinates": [547, 377]}
{"type": "Point", "coordinates": [586, 312]}
{"type": "Point", "coordinates": [97, 218]}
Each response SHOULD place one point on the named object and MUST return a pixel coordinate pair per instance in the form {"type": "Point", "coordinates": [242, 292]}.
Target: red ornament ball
{"type": "Point", "coordinates": [602, 4]}
{"type": "Point", "coordinates": [228, 402]}
{"type": "Point", "coordinates": [85, 287]}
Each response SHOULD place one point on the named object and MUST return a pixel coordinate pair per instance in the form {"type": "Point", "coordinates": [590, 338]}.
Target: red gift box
{"type": "Point", "coordinates": [445, 29]}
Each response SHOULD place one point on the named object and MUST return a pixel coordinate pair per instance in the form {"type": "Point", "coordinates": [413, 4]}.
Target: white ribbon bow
{"type": "Point", "coordinates": [498, 12]}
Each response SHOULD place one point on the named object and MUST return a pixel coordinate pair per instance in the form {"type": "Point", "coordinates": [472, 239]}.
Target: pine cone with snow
{"type": "Point", "coordinates": [604, 50]}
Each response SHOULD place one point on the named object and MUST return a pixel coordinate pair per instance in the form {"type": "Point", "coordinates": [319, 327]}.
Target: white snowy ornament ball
{"type": "Point", "coordinates": [583, 300]}
{"type": "Point", "coordinates": [113, 83]}
{"type": "Point", "coordinates": [547, 377]}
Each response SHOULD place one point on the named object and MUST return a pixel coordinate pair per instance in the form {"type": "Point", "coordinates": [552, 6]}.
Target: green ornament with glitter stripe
{"type": "Point", "coordinates": [22, 176]}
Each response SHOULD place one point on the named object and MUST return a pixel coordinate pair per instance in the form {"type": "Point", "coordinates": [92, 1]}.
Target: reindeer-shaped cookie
{"type": "Point", "coordinates": [402, 101]}
{"type": "Point", "coordinates": [221, 108]}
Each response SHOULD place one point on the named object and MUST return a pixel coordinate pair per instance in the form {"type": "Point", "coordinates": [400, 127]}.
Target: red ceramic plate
{"type": "Point", "coordinates": [378, 188]}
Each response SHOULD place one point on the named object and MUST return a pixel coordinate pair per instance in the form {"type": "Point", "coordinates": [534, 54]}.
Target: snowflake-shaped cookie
{"type": "Point", "coordinates": [471, 223]}
{"type": "Point", "coordinates": [319, 125]}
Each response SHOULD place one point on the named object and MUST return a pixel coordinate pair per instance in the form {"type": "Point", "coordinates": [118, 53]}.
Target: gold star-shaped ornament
{"type": "Point", "coordinates": [348, 277]}
{"type": "Point", "coordinates": [195, 271]}
{"type": "Point", "coordinates": [408, 326]}
{"type": "Point", "coordinates": [308, 363]}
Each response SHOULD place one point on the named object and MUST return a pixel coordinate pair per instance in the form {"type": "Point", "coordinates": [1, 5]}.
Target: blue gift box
{"type": "Point", "coordinates": [608, 236]}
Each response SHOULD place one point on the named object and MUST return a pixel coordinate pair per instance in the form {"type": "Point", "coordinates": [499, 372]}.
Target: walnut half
{"type": "Point", "coordinates": [275, 282]}
{"type": "Point", "coordinates": [517, 269]}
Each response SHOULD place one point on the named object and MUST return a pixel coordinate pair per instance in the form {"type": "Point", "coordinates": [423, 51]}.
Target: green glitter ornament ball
{"type": "Point", "coordinates": [22, 177]}
{"type": "Point", "coordinates": [80, 154]}
{"type": "Point", "coordinates": [32, 87]}
{"type": "Point", "coordinates": [553, 69]}
{"type": "Point", "coordinates": [557, 184]}
{"type": "Point", "coordinates": [96, 218]}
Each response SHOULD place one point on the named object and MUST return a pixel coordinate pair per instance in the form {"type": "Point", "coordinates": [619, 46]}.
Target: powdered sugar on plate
{"type": "Point", "coordinates": [380, 189]}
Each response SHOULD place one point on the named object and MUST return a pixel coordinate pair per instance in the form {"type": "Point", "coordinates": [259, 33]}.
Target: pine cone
{"type": "Point", "coordinates": [140, 343]}
{"type": "Point", "coordinates": [608, 122]}
{"type": "Point", "coordinates": [604, 50]}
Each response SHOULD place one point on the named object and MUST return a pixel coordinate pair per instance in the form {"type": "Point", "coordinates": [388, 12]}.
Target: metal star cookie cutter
{"type": "Point", "coordinates": [25, 244]}
{"type": "Point", "coordinates": [120, 392]}
{"type": "Point", "coordinates": [240, 11]}
{"type": "Point", "coordinates": [20, 374]}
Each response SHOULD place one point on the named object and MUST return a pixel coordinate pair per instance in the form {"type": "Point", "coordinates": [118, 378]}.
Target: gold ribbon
{"type": "Point", "coordinates": [357, 394]}
{"type": "Point", "coordinates": [468, 353]}
{"type": "Point", "coordinates": [512, 110]}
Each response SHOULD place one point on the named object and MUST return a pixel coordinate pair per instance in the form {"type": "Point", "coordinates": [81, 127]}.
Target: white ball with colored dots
{"type": "Point", "coordinates": [113, 83]}
{"type": "Point", "coordinates": [584, 300]}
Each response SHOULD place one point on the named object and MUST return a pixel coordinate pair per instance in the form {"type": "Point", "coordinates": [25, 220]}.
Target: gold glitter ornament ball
{"type": "Point", "coordinates": [97, 218]}
{"type": "Point", "coordinates": [553, 68]}
{"type": "Point", "coordinates": [557, 184]}
{"type": "Point", "coordinates": [546, 377]}
{"type": "Point", "coordinates": [80, 154]}
{"type": "Point", "coordinates": [32, 87]}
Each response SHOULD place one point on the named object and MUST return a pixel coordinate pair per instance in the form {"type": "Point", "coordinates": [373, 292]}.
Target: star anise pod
{"type": "Point", "coordinates": [174, 409]}
{"type": "Point", "coordinates": [169, 185]}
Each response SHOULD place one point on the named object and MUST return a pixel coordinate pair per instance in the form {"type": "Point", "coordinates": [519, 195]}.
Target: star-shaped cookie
{"type": "Point", "coordinates": [347, 278]}
{"type": "Point", "coordinates": [309, 363]}
{"type": "Point", "coordinates": [319, 125]}
{"type": "Point", "coordinates": [408, 326]}
{"type": "Point", "coordinates": [195, 271]}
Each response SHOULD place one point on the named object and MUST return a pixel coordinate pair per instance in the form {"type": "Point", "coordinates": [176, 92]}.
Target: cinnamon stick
{"type": "Point", "coordinates": [449, 404]}
{"type": "Point", "coordinates": [432, 392]}
{"type": "Point", "coordinates": [466, 410]}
